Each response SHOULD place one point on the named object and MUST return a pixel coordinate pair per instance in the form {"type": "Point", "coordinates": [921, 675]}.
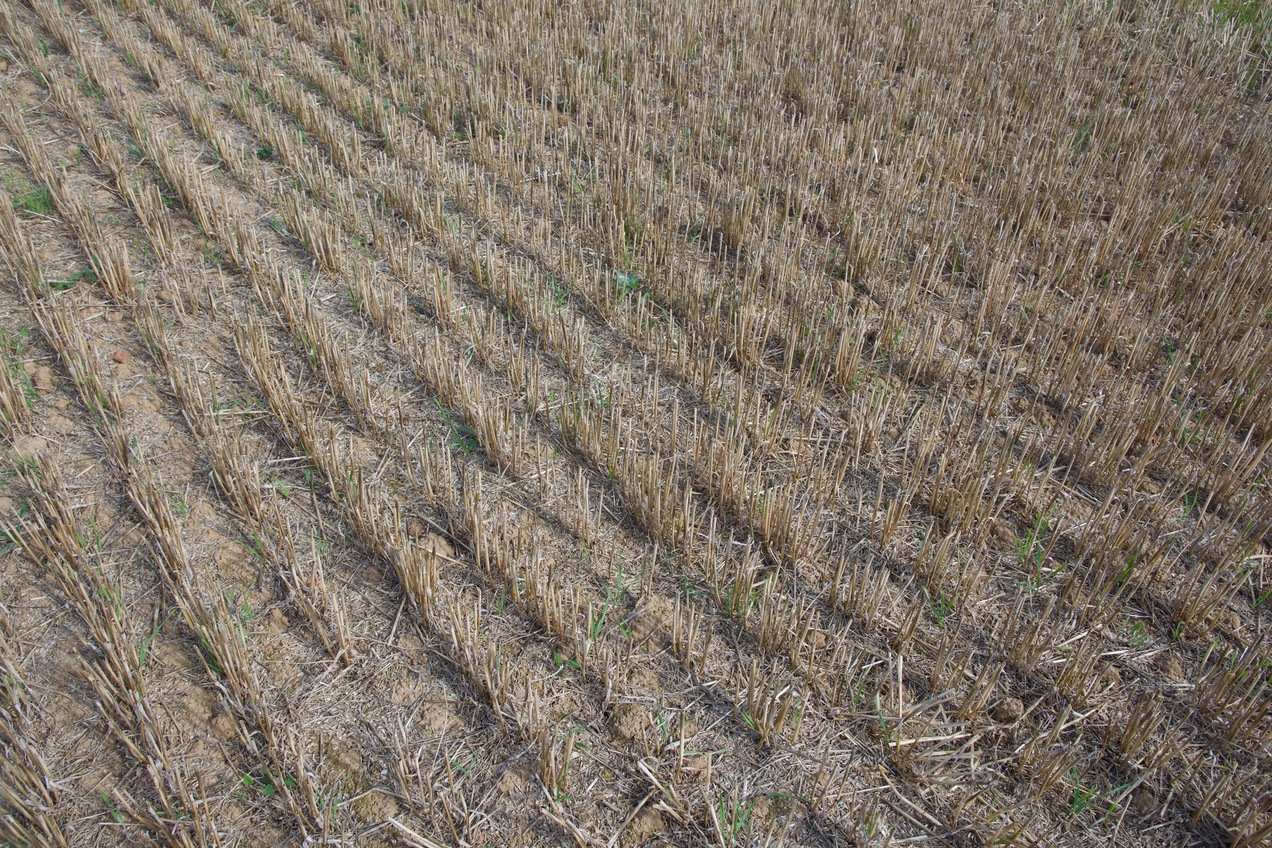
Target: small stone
{"type": "Point", "coordinates": [1171, 666]}
{"type": "Point", "coordinates": [121, 356]}
{"type": "Point", "coordinates": [1008, 710]}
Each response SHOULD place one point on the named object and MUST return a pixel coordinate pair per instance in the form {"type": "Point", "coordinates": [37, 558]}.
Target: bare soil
{"type": "Point", "coordinates": [732, 424]}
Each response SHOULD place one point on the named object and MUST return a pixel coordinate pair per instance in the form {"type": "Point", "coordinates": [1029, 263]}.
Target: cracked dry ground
{"type": "Point", "coordinates": [461, 424]}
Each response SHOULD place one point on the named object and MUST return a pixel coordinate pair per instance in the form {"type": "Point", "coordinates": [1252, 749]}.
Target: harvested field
{"type": "Point", "coordinates": [719, 423]}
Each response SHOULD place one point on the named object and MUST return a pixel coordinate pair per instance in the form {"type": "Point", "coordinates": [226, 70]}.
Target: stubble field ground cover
{"type": "Point", "coordinates": [716, 423]}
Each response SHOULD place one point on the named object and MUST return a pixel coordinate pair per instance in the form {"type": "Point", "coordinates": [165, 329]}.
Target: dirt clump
{"type": "Point", "coordinates": [1008, 710]}
{"type": "Point", "coordinates": [1172, 666]}
{"type": "Point", "coordinates": [646, 825]}
{"type": "Point", "coordinates": [629, 721]}
{"type": "Point", "coordinates": [375, 806]}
